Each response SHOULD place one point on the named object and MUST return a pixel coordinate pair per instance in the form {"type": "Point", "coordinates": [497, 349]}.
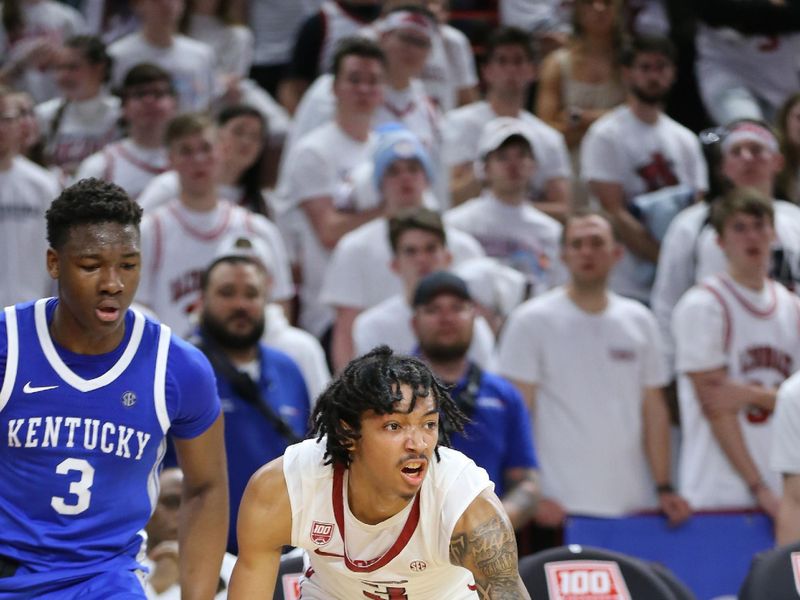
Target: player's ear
{"type": "Point", "coordinates": [52, 263]}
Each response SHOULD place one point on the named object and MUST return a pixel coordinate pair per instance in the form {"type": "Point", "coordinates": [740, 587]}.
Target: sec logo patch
{"type": "Point", "coordinates": [418, 566]}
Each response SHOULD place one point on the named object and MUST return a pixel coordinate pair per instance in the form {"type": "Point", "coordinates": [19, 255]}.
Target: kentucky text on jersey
{"type": "Point", "coordinates": [71, 432]}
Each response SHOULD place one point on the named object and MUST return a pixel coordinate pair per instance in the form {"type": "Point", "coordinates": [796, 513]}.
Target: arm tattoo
{"type": "Point", "coordinates": [490, 552]}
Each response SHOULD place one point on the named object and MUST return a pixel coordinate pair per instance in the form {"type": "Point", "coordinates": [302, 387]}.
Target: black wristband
{"type": "Point", "coordinates": [665, 488]}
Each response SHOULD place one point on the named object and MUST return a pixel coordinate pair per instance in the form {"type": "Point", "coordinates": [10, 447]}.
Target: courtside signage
{"type": "Point", "coordinates": [585, 580]}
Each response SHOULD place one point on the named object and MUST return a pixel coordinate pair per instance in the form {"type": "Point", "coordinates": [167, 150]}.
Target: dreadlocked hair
{"type": "Point", "coordinates": [372, 382]}
{"type": "Point", "coordinates": [86, 202]}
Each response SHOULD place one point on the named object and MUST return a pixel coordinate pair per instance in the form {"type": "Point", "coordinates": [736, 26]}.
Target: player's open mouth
{"type": "Point", "coordinates": [107, 313]}
{"type": "Point", "coordinates": [414, 471]}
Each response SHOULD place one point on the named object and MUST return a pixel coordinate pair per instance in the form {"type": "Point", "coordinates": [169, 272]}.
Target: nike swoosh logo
{"type": "Point", "coordinates": [29, 389]}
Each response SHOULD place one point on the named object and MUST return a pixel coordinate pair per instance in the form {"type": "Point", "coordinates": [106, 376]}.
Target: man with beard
{"type": "Point", "coordinates": [498, 435]}
{"type": "Point", "coordinates": [262, 391]}
{"type": "Point", "coordinates": [636, 148]}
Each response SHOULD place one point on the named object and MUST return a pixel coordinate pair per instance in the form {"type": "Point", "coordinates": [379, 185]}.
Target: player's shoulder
{"type": "Point", "coordinates": [306, 458]}
{"type": "Point", "coordinates": [474, 113]}
{"type": "Point", "coordinates": [186, 362]}
{"type": "Point", "coordinates": [542, 132]}
{"type": "Point", "coordinates": [35, 175]}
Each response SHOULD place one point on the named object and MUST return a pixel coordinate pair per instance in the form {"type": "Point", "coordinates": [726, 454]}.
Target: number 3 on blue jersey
{"type": "Point", "coordinates": [78, 488]}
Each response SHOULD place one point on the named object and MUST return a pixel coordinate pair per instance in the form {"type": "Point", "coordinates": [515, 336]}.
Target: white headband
{"type": "Point", "coordinates": [753, 132]}
{"type": "Point", "coordinates": [406, 19]}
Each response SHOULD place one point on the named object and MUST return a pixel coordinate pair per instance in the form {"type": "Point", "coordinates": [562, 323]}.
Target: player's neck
{"type": "Point", "coordinates": [591, 298]}
{"type": "Point", "coordinates": [151, 138]}
{"type": "Point", "coordinates": [357, 126]}
{"type": "Point", "coordinates": [509, 197]}
{"type": "Point", "coordinates": [370, 504]}
{"type": "Point", "coordinates": [751, 279]}
{"type": "Point", "coordinates": [644, 111]}
{"type": "Point", "coordinates": [158, 34]}
{"type": "Point", "coordinates": [505, 105]}
{"type": "Point", "coordinates": [199, 201]}
{"type": "Point", "coordinates": [7, 160]}
{"type": "Point", "coordinates": [68, 333]}
{"type": "Point", "coordinates": [449, 371]}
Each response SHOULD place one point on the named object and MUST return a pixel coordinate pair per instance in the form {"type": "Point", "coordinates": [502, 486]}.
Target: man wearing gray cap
{"type": "Point", "coordinates": [498, 436]}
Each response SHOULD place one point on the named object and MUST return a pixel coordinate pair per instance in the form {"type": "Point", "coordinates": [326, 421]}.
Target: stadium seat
{"type": "Point", "coordinates": [575, 571]}
{"type": "Point", "coordinates": [774, 574]}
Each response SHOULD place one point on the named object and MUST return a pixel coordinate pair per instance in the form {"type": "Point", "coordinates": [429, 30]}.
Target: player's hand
{"type": "Point", "coordinates": [549, 513]}
{"type": "Point", "coordinates": [767, 500]}
{"type": "Point", "coordinates": [675, 507]}
{"type": "Point", "coordinates": [165, 571]}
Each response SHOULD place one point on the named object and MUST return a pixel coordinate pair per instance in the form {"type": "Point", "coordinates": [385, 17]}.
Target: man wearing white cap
{"type": "Point", "coordinates": [359, 274]}
{"type": "Point", "coordinates": [636, 148]}
{"type": "Point", "coordinates": [508, 227]}
{"type": "Point", "coordinates": [689, 251]}
{"type": "Point", "coordinates": [508, 71]}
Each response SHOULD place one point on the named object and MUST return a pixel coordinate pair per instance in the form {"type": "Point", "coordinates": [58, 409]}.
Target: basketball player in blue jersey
{"type": "Point", "coordinates": [89, 389]}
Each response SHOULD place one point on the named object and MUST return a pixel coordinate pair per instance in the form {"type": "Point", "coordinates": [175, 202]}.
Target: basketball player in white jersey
{"type": "Point", "coordinates": [736, 337]}
{"type": "Point", "coordinates": [382, 510]}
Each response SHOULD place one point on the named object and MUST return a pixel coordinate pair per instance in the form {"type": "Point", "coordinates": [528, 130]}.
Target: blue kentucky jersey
{"type": "Point", "coordinates": [78, 456]}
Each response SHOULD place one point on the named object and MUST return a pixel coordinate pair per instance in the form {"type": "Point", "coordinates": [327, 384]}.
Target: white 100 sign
{"type": "Point", "coordinates": [584, 582]}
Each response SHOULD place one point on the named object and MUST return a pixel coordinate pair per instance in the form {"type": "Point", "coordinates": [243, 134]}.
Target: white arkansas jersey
{"type": "Point", "coordinates": [761, 345]}
{"type": "Point", "coordinates": [406, 557]}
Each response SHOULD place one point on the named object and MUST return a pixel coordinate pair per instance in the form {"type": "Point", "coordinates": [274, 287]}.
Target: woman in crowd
{"type": "Point", "coordinates": [788, 125]}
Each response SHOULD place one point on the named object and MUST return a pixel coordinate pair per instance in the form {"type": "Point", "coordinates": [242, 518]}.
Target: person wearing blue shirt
{"type": "Point", "coordinates": [262, 390]}
{"type": "Point", "coordinates": [90, 389]}
{"type": "Point", "coordinates": [498, 436]}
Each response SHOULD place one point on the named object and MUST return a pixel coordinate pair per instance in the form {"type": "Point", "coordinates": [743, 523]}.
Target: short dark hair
{"type": "Point", "coordinates": [372, 382]}
{"type": "Point", "coordinates": [415, 218]}
{"type": "Point", "coordinates": [87, 202]}
{"type": "Point", "coordinates": [93, 50]}
{"type": "Point", "coordinates": [747, 200]}
{"type": "Point", "coordinates": [142, 74]}
{"type": "Point", "coordinates": [355, 46]}
{"type": "Point", "coordinates": [186, 124]}
{"type": "Point", "coordinates": [583, 213]}
{"type": "Point", "coordinates": [510, 36]}
{"type": "Point", "coordinates": [652, 44]}
{"type": "Point", "coordinates": [231, 259]}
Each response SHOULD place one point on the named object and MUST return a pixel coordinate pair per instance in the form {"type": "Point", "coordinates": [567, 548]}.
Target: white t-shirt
{"type": "Point", "coordinates": [232, 44]}
{"type": "Point", "coordinates": [302, 347]}
{"type": "Point", "coordinates": [641, 157]}
{"type": "Point", "coordinates": [178, 244]}
{"type": "Point", "coordinates": [756, 337]}
{"type": "Point", "coordinates": [26, 191]}
{"type": "Point", "coordinates": [84, 128]}
{"type": "Point", "coordinates": [359, 274]}
{"type": "Point", "coordinates": [785, 452]}
{"type": "Point", "coordinates": [390, 323]}
{"type": "Point", "coordinates": [320, 165]}
{"type": "Point", "coordinates": [46, 20]}
{"type": "Point", "coordinates": [127, 164]}
{"type": "Point", "coordinates": [522, 237]}
{"type": "Point", "coordinates": [322, 521]}
{"type": "Point", "coordinates": [275, 24]}
{"type": "Point", "coordinates": [450, 67]}
{"type": "Point", "coordinates": [189, 62]}
{"type": "Point", "coordinates": [462, 131]}
{"type": "Point", "coordinates": [590, 372]}
{"type": "Point", "coordinates": [765, 65]}
{"type": "Point", "coordinates": [411, 107]}
{"type": "Point", "coordinates": [690, 253]}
